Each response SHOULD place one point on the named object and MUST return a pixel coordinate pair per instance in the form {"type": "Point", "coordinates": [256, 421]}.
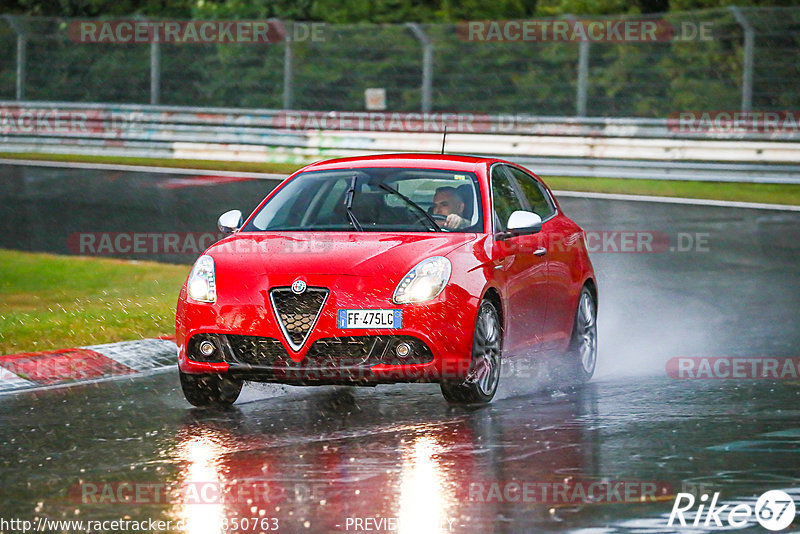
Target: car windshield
{"type": "Point", "coordinates": [376, 200]}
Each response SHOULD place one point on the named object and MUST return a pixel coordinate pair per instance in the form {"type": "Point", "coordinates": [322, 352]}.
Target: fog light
{"type": "Point", "coordinates": [206, 348]}
{"type": "Point", "coordinates": [402, 350]}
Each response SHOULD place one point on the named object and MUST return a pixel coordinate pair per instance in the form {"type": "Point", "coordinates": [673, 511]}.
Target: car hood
{"type": "Point", "coordinates": [339, 253]}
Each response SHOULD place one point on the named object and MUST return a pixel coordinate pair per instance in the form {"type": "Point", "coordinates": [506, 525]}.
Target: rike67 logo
{"type": "Point", "coordinates": [774, 510]}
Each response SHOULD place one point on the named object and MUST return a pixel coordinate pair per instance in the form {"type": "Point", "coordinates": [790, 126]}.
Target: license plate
{"type": "Point", "coordinates": [370, 318]}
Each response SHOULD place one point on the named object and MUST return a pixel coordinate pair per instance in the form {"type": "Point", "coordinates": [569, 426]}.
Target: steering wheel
{"type": "Point", "coordinates": [439, 220]}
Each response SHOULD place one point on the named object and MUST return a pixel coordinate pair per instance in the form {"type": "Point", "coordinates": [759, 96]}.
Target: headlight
{"type": "Point", "coordinates": [424, 282]}
{"type": "Point", "coordinates": [202, 283]}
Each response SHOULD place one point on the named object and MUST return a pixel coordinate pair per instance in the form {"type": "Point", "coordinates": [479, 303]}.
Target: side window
{"type": "Point", "coordinates": [504, 198]}
{"type": "Point", "coordinates": [537, 198]}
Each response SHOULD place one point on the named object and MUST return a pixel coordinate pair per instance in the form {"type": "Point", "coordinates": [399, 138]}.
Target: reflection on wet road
{"type": "Point", "coordinates": [316, 458]}
{"type": "Point", "coordinates": [397, 458]}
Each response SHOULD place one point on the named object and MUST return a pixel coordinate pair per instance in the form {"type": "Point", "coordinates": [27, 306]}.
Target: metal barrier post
{"type": "Point", "coordinates": [287, 67]}
{"type": "Point", "coordinates": [749, 50]}
{"type": "Point", "coordinates": [583, 78]}
{"type": "Point", "coordinates": [427, 65]}
{"type": "Point", "coordinates": [155, 73]}
{"type": "Point", "coordinates": [22, 44]}
{"type": "Point", "coordinates": [583, 73]}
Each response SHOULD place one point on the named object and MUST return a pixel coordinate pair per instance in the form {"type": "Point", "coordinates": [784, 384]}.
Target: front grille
{"type": "Point", "coordinates": [349, 351]}
{"type": "Point", "coordinates": [257, 350]}
{"type": "Point", "coordinates": [346, 351]}
{"type": "Point", "coordinates": [297, 314]}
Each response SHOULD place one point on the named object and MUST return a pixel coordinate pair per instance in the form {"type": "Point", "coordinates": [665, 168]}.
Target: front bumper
{"type": "Point", "coordinates": [328, 360]}
{"type": "Point", "coordinates": [250, 345]}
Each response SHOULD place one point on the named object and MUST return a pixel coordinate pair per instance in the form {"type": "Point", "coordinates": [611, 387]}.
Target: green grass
{"type": "Point", "coordinates": [52, 302]}
{"type": "Point", "coordinates": [242, 166]}
{"type": "Point", "coordinates": [744, 192]}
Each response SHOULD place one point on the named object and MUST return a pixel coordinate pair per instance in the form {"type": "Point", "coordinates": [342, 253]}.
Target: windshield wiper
{"type": "Point", "coordinates": [348, 203]}
{"type": "Point", "coordinates": [412, 204]}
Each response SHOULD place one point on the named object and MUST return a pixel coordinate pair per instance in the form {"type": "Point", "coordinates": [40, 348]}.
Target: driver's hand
{"type": "Point", "coordinates": [454, 221]}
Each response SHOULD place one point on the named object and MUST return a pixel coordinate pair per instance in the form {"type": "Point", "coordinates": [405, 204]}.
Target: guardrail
{"type": "Point", "coordinates": [611, 147]}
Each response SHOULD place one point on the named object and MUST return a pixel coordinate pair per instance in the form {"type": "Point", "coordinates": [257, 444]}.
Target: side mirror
{"type": "Point", "coordinates": [230, 221]}
{"type": "Point", "coordinates": [523, 222]}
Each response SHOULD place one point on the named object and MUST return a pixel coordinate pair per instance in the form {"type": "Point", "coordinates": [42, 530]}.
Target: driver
{"type": "Point", "coordinates": [448, 203]}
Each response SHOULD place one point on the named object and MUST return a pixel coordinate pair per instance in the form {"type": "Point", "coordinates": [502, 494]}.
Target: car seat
{"type": "Point", "coordinates": [465, 192]}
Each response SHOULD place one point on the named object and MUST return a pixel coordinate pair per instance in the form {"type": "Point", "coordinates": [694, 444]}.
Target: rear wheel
{"type": "Point", "coordinates": [583, 345]}
{"type": "Point", "coordinates": [210, 390]}
{"type": "Point", "coordinates": [484, 375]}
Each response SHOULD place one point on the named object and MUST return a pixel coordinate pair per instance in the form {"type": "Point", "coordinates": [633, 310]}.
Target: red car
{"type": "Point", "coordinates": [384, 269]}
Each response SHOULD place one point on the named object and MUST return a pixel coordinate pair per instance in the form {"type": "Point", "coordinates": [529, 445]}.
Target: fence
{"type": "Point", "coordinates": [734, 59]}
{"type": "Point", "coordinates": [611, 147]}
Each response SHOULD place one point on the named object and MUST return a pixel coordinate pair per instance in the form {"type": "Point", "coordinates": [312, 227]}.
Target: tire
{"type": "Point", "coordinates": [210, 390]}
{"type": "Point", "coordinates": [484, 375]}
{"type": "Point", "coordinates": [582, 352]}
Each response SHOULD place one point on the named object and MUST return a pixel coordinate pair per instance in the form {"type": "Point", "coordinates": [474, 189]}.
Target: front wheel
{"type": "Point", "coordinates": [484, 375]}
{"type": "Point", "coordinates": [582, 353]}
{"type": "Point", "coordinates": [210, 390]}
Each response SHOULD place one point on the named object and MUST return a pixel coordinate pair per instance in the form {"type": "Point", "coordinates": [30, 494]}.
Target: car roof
{"type": "Point", "coordinates": [409, 160]}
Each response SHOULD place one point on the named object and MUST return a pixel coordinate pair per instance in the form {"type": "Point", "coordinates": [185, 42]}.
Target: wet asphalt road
{"type": "Point", "coordinates": [320, 459]}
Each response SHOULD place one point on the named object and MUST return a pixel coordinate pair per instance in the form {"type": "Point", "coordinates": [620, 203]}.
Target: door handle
{"type": "Point", "coordinates": [541, 251]}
